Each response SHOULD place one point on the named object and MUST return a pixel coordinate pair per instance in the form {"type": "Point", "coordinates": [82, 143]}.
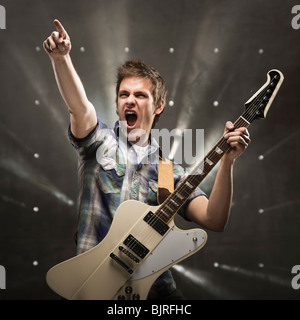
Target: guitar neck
{"type": "Point", "coordinates": [175, 200]}
{"type": "Point", "coordinates": [256, 107]}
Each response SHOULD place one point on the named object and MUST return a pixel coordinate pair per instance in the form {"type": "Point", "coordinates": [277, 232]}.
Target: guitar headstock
{"type": "Point", "coordinates": [259, 104]}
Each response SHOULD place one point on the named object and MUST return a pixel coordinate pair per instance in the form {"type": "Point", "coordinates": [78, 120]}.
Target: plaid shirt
{"type": "Point", "coordinates": [107, 166]}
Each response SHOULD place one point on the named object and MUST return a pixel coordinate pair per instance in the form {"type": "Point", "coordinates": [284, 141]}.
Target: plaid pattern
{"type": "Point", "coordinates": [105, 165]}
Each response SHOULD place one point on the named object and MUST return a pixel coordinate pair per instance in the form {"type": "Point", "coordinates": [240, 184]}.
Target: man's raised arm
{"type": "Point", "coordinates": [83, 116]}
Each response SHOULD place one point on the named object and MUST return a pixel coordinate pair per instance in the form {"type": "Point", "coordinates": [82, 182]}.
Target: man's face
{"type": "Point", "coordinates": [136, 107]}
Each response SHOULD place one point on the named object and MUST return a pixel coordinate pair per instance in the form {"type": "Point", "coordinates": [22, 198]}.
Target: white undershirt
{"type": "Point", "coordinates": [140, 152]}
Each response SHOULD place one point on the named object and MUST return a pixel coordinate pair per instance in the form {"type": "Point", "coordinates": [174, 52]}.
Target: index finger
{"type": "Point", "coordinates": [60, 29]}
{"type": "Point", "coordinates": [228, 127]}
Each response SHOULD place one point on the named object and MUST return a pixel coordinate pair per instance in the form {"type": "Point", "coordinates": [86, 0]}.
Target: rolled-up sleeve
{"type": "Point", "coordinates": [92, 137]}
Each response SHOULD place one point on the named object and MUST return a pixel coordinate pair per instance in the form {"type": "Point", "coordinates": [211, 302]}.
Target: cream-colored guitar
{"type": "Point", "coordinates": [143, 240]}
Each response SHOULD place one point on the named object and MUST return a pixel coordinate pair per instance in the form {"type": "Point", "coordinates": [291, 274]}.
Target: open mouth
{"type": "Point", "coordinates": [131, 118]}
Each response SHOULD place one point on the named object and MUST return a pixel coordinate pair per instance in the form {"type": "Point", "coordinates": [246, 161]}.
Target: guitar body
{"type": "Point", "coordinates": [94, 274]}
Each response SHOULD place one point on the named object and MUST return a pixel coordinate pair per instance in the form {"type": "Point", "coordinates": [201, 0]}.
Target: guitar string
{"type": "Point", "coordinates": [257, 101]}
{"type": "Point", "coordinates": [132, 244]}
{"type": "Point", "coordinates": [257, 105]}
{"type": "Point", "coordinates": [223, 143]}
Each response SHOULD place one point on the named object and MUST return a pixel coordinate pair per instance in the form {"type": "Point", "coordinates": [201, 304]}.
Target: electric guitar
{"type": "Point", "coordinates": [143, 241]}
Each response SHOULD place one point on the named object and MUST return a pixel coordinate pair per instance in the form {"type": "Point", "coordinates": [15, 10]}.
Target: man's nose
{"type": "Point", "coordinates": [130, 100]}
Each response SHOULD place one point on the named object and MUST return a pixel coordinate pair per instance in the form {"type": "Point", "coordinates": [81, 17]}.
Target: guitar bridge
{"type": "Point", "coordinates": [121, 263]}
{"type": "Point", "coordinates": [129, 254]}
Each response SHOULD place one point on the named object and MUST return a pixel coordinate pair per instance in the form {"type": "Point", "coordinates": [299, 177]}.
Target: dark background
{"type": "Point", "coordinates": [222, 51]}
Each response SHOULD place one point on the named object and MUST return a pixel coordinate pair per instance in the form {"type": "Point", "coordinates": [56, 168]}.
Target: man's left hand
{"type": "Point", "coordinates": [238, 139]}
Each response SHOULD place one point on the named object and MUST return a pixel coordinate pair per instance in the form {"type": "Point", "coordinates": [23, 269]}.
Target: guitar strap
{"type": "Point", "coordinates": [165, 179]}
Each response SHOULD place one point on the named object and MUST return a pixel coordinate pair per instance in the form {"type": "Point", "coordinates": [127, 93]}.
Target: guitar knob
{"type": "Point", "coordinates": [136, 296]}
{"type": "Point", "coordinates": [128, 290]}
{"type": "Point", "coordinates": [121, 297]}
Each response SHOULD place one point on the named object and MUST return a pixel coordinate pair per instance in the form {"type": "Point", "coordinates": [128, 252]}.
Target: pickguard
{"type": "Point", "coordinates": [173, 247]}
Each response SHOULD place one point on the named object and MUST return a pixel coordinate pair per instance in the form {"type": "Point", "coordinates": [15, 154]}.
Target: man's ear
{"type": "Point", "coordinates": [160, 109]}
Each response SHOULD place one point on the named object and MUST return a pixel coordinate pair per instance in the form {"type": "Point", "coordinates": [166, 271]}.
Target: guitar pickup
{"type": "Point", "coordinates": [156, 223]}
{"type": "Point", "coordinates": [138, 248]}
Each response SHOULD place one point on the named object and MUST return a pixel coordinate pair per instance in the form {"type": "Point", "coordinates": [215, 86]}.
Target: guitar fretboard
{"type": "Point", "coordinates": [256, 107]}
{"type": "Point", "coordinates": [175, 201]}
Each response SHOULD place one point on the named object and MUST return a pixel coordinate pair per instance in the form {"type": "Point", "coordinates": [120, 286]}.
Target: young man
{"type": "Point", "coordinates": [109, 173]}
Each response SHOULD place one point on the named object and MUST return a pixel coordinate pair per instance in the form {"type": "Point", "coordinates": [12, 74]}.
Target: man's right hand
{"type": "Point", "coordinates": [58, 43]}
